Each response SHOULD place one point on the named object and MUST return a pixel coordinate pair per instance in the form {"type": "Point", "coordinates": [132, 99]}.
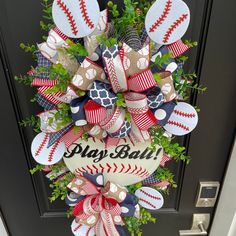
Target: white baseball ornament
{"type": "Point", "coordinates": [76, 18]}
{"type": "Point", "coordinates": [126, 62]}
{"type": "Point", "coordinates": [183, 120]}
{"type": "Point", "coordinates": [124, 164]}
{"type": "Point", "coordinates": [142, 63]}
{"type": "Point", "coordinates": [81, 229]}
{"type": "Point", "coordinates": [166, 88]}
{"type": "Point", "coordinates": [91, 74]}
{"type": "Point", "coordinates": [167, 21]}
{"type": "Point", "coordinates": [149, 198]}
{"type": "Point", "coordinates": [45, 155]}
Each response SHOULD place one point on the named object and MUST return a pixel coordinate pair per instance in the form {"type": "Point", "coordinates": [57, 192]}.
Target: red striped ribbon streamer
{"type": "Point", "coordinates": [177, 48]}
{"type": "Point", "coordinates": [165, 159]}
{"type": "Point", "coordinates": [145, 121]}
{"type": "Point", "coordinates": [136, 103]}
{"type": "Point", "coordinates": [38, 82]}
{"type": "Point", "coordinates": [63, 36]}
{"type": "Point", "coordinates": [94, 112]}
{"type": "Point", "coordinates": [142, 81]}
{"type": "Point", "coordinates": [111, 142]}
{"type": "Point", "coordinates": [114, 120]}
{"type": "Point", "coordinates": [50, 97]}
{"type": "Point", "coordinates": [71, 136]}
{"type": "Point", "coordinates": [138, 136]}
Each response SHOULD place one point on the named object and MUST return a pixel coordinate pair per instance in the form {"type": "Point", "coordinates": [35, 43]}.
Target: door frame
{"type": "Point", "coordinates": [224, 222]}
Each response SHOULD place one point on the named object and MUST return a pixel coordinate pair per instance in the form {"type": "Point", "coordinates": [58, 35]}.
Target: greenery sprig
{"type": "Point", "coordinates": [33, 122]}
{"type": "Point", "coordinates": [175, 150]}
{"type": "Point", "coordinates": [134, 224]}
{"type": "Point", "coordinates": [25, 79]}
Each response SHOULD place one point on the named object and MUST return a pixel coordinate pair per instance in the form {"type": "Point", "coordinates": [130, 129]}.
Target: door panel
{"type": "Point", "coordinates": [24, 198]}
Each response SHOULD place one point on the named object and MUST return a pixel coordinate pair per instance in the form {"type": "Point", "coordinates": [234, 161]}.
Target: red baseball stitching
{"type": "Point", "coordinates": [69, 16]}
{"type": "Point", "coordinates": [184, 114]}
{"type": "Point", "coordinates": [164, 15]}
{"type": "Point", "coordinates": [138, 110]}
{"type": "Point", "coordinates": [173, 27]}
{"type": "Point", "coordinates": [41, 146]}
{"type": "Point", "coordinates": [112, 74]}
{"type": "Point", "coordinates": [147, 202]}
{"type": "Point", "coordinates": [171, 122]}
{"type": "Point", "coordinates": [85, 15]}
{"type": "Point", "coordinates": [79, 226]}
{"type": "Point", "coordinates": [50, 156]}
{"type": "Point", "coordinates": [108, 123]}
{"type": "Point", "coordinates": [149, 195]}
{"type": "Point", "coordinates": [114, 168]}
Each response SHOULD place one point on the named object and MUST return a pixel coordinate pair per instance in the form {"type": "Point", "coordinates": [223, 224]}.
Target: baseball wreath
{"type": "Point", "coordinates": [112, 88]}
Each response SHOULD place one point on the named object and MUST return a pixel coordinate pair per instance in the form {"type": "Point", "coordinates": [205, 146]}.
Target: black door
{"type": "Point", "coordinates": [24, 200]}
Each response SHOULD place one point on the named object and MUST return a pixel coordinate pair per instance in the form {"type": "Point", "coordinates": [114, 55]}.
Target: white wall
{"type": "Point", "coordinates": [224, 223]}
{"type": "Point", "coordinates": [2, 229]}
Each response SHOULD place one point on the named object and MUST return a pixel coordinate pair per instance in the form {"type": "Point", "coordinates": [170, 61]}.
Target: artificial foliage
{"type": "Point", "coordinates": [132, 15]}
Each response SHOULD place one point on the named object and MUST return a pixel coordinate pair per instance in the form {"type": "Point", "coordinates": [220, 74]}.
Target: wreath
{"type": "Point", "coordinates": [113, 91]}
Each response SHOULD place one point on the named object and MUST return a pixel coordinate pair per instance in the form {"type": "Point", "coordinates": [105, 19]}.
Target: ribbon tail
{"type": "Point", "coordinates": [99, 229]}
{"type": "Point", "coordinates": [109, 224]}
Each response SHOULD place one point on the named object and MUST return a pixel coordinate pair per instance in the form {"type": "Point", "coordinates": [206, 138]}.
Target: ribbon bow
{"type": "Point", "coordinates": [101, 207]}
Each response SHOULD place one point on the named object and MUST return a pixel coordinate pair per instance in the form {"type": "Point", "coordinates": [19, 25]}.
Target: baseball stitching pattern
{"type": "Point", "coordinates": [112, 74]}
{"type": "Point", "coordinates": [78, 227]}
{"type": "Point", "coordinates": [147, 202]}
{"type": "Point", "coordinates": [149, 195]}
{"type": "Point", "coordinates": [42, 145]}
{"type": "Point", "coordinates": [164, 15]}
{"type": "Point", "coordinates": [112, 120]}
{"type": "Point", "coordinates": [172, 28]}
{"type": "Point", "coordinates": [138, 110]}
{"type": "Point", "coordinates": [184, 114]}
{"type": "Point", "coordinates": [54, 148]}
{"type": "Point", "coordinates": [113, 168]}
{"type": "Point", "coordinates": [69, 16]}
{"type": "Point", "coordinates": [85, 15]}
{"type": "Point", "coordinates": [170, 122]}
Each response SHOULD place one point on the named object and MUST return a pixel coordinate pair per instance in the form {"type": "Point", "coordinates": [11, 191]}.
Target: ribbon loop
{"type": "Point", "coordinates": [115, 69]}
{"type": "Point", "coordinates": [136, 103]}
{"type": "Point", "coordinates": [101, 94]}
{"type": "Point", "coordinates": [142, 81]}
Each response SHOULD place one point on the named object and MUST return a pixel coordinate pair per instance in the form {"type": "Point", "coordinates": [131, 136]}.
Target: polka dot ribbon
{"type": "Point", "coordinates": [102, 206]}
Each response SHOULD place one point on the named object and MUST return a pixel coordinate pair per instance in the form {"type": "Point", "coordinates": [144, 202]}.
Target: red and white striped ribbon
{"type": "Point", "coordinates": [71, 136]}
{"type": "Point", "coordinates": [136, 103]}
{"type": "Point", "coordinates": [138, 136]}
{"type": "Point", "coordinates": [142, 81]}
{"type": "Point", "coordinates": [63, 36]}
{"type": "Point", "coordinates": [145, 121]}
{"type": "Point", "coordinates": [177, 48]}
{"type": "Point", "coordinates": [111, 142]}
{"type": "Point", "coordinates": [38, 82]}
{"type": "Point", "coordinates": [50, 97]}
{"type": "Point", "coordinates": [165, 159]}
{"type": "Point", "coordinates": [94, 112]}
{"type": "Point", "coordinates": [114, 120]}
